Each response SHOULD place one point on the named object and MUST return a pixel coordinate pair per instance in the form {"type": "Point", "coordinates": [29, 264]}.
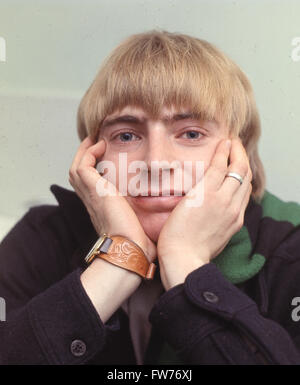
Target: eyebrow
{"type": "Point", "coordinates": [136, 120]}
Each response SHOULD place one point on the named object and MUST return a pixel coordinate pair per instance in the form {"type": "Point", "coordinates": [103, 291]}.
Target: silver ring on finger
{"type": "Point", "coordinates": [236, 176]}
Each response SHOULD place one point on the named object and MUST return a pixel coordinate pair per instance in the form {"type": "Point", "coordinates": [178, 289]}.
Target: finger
{"type": "Point", "coordinates": [73, 177]}
{"type": "Point", "coordinates": [239, 164]}
{"type": "Point", "coordinates": [243, 189]}
{"type": "Point", "coordinates": [86, 167]}
{"type": "Point", "coordinates": [90, 176]}
{"type": "Point", "coordinates": [244, 205]}
{"type": "Point", "coordinates": [240, 201]}
{"type": "Point", "coordinates": [215, 174]}
{"type": "Point", "coordinates": [238, 222]}
{"type": "Point", "coordinates": [84, 145]}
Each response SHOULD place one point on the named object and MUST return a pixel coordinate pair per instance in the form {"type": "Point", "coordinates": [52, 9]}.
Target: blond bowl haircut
{"type": "Point", "coordinates": [159, 68]}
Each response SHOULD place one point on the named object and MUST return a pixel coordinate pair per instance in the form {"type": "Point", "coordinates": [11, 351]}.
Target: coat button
{"type": "Point", "coordinates": [210, 297]}
{"type": "Point", "coordinates": [78, 348]}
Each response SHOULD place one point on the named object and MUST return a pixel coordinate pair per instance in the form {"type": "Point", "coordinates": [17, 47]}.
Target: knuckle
{"type": "Point", "coordinates": [243, 169]}
{"type": "Point", "coordinates": [250, 189]}
{"type": "Point", "coordinates": [250, 174]}
{"type": "Point", "coordinates": [71, 173]}
{"type": "Point", "coordinates": [80, 171]}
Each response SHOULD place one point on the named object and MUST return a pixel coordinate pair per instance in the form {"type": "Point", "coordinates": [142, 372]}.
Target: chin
{"type": "Point", "coordinates": [152, 224]}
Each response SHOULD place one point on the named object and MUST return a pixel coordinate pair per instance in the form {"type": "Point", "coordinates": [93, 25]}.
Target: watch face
{"type": "Point", "coordinates": [95, 249]}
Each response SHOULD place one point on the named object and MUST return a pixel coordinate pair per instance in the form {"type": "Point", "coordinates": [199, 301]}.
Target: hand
{"type": "Point", "coordinates": [193, 236]}
{"type": "Point", "coordinates": [110, 214]}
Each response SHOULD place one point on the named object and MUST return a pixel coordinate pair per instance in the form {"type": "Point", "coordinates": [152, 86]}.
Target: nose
{"type": "Point", "coordinates": [161, 160]}
{"type": "Point", "coordinates": [159, 147]}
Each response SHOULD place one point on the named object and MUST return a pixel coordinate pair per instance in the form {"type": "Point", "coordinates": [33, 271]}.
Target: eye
{"type": "Point", "coordinates": [126, 137]}
{"type": "Point", "coordinates": [192, 134]}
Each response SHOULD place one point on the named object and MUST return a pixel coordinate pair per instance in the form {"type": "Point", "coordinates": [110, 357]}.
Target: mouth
{"type": "Point", "coordinates": [160, 202]}
{"type": "Point", "coordinates": [163, 193]}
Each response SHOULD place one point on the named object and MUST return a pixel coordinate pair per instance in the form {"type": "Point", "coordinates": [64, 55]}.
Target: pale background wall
{"type": "Point", "coordinates": [53, 51]}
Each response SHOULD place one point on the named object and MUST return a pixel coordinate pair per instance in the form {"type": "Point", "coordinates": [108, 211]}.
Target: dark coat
{"type": "Point", "coordinates": [206, 320]}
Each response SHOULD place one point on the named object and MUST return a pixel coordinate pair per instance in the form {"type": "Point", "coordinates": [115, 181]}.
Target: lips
{"type": "Point", "coordinates": [164, 193]}
{"type": "Point", "coordinates": [158, 203]}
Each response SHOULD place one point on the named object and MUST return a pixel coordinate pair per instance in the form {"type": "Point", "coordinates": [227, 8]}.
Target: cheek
{"type": "Point", "coordinates": [203, 154]}
{"type": "Point", "coordinates": [210, 152]}
{"type": "Point", "coordinates": [209, 156]}
{"type": "Point", "coordinates": [119, 173]}
{"type": "Point", "coordinates": [110, 155]}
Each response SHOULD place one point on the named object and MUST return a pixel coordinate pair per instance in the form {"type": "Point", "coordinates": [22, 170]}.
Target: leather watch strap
{"type": "Point", "coordinates": [124, 253]}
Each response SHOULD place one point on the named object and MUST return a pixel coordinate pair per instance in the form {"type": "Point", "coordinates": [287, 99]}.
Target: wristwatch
{"type": "Point", "coordinates": [124, 253]}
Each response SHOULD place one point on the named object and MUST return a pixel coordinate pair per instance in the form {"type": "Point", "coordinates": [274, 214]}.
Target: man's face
{"type": "Point", "coordinates": [183, 139]}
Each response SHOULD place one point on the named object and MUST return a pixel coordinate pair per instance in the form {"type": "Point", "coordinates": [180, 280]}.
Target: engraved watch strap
{"type": "Point", "coordinates": [124, 253]}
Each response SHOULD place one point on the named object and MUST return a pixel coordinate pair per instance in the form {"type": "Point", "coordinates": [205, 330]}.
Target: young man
{"type": "Point", "coordinates": [226, 268]}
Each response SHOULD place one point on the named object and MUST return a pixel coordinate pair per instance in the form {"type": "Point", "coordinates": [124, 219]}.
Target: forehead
{"type": "Point", "coordinates": [141, 113]}
{"type": "Point", "coordinates": [129, 112]}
